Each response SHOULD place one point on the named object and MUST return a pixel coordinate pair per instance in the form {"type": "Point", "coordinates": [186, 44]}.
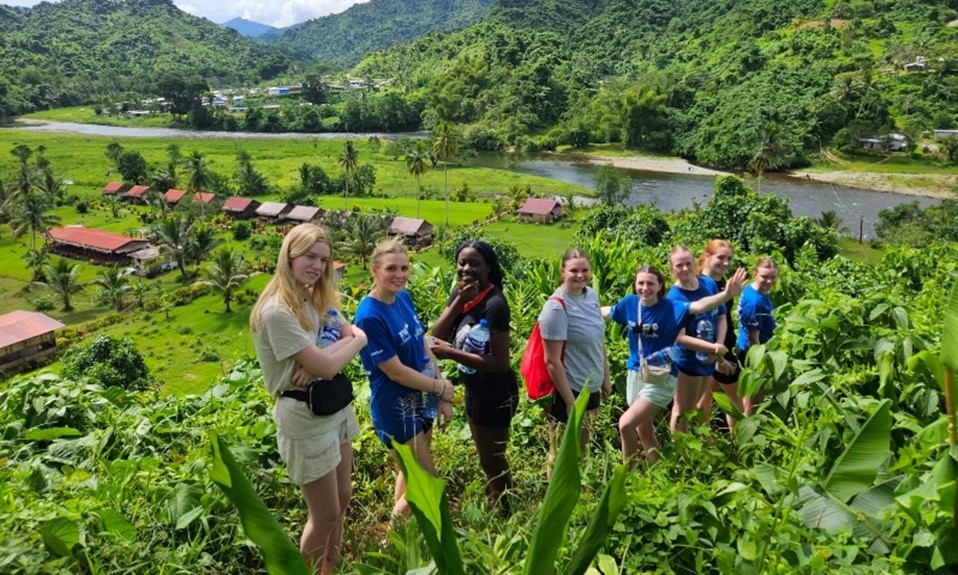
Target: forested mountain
{"type": "Point", "coordinates": [711, 80]}
{"type": "Point", "coordinates": [77, 50]}
{"type": "Point", "coordinates": [249, 28]}
{"type": "Point", "coordinates": [343, 39]}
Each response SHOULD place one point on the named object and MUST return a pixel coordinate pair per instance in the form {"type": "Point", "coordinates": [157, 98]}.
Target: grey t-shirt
{"type": "Point", "coordinates": [581, 326]}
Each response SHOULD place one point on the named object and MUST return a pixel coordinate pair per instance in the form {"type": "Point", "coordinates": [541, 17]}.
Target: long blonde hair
{"type": "Point", "coordinates": [289, 292]}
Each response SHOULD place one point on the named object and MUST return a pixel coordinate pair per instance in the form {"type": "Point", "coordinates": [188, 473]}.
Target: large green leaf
{"type": "Point", "coordinates": [61, 535]}
{"type": "Point", "coordinates": [949, 337]}
{"type": "Point", "coordinates": [613, 500]}
{"type": "Point", "coordinates": [857, 466]}
{"type": "Point", "coordinates": [114, 522]}
{"type": "Point", "coordinates": [50, 433]}
{"type": "Point", "coordinates": [426, 496]}
{"type": "Point", "coordinates": [561, 497]}
{"type": "Point", "coordinates": [279, 553]}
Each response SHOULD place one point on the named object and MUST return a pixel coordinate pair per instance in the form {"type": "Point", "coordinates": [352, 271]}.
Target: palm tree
{"type": "Point", "coordinates": [173, 237]}
{"type": "Point", "coordinates": [249, 180]}
{"type": "Point", "coordinates": [63, 279]}
{"type": "Point", "coordinates": [226, 275]}
{"type": "Point", "coordinates": [445, 146]}
{"type": "Point", "coordinates": [418, 162]}
{"type": "Point", "coordinates": [138, 289]}
{"type": "Point", "coordinates": [36, 262]}
{"type": "Point", "coordinates": [200, 177]}
{"type": "Point", "coordinates": [770, 151]}
{"type": "Point", "coordinates": [201, 241]}
{"type": "Point", "coordinates": [349, 160]}
{"type": "Point", "coordinates": [114, 287]}
{"type": "Point", "coordinates": [176, 158]}
{"type": "Point", "coordinates": [28, 213]}
{"type": "Point", "coordinates": [363, 234]}
{"type": "Point", "coordinates": [830, 220]}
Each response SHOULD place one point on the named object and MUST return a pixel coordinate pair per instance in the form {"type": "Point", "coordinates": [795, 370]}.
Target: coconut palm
{"type": "Point", "coordinates": [200, 176]}
{"type": "Point", "coordinates": [28, 213]}
{"type": "Point", "coordinates": [173, 236]}
{"type": "Point", "coordinates": [63, 279]}
{"type": "Point", "coordinates": [445, 146]}
{"type": "Point", "coordinates": [830, 220]}
{"type": "Point", "coordinates": [36, 261]}
{"type": "Point", "coordinates": [363, 233]}
{"type": "Point", "coordinates": [113, 288]}
{"type": "Point", "coordinates": [248, 179]}
{"type": "Point", "coordinates": [770, 151]}
{"type": "Point", "coordinates": [419, 161]}
{"type": "Point", "coordinates": [226, 274]}
{"type": "Point", "coordinates": [201, 242]}
{"type": "Point", "coordinates": [349, 160]}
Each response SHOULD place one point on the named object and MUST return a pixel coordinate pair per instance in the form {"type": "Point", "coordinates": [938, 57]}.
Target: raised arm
{"type": "Point", "coordinates": [733, 287]}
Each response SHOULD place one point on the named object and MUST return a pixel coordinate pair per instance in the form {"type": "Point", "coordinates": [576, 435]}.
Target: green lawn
{"type": "Point", "coordinates": [86, 115]}
{"type": "Point", "coordinates": [851, 249]}
{"type": "Point", "coordinates": [534, 240]}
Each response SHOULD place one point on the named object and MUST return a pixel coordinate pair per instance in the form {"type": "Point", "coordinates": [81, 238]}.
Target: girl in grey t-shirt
{"type": "Point", "coordinates": [571, 320]}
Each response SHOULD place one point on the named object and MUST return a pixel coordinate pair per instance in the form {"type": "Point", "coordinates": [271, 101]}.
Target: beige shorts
{"type": "Point", "coordinates": [659, 395]}
{"type": "Point", "coordinates": [309, 458]}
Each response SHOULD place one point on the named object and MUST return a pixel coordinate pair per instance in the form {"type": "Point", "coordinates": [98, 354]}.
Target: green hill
{"type": "Point", "coordinates": [78, 51]}
{"type": "Point", "coordinates": [343, 39]}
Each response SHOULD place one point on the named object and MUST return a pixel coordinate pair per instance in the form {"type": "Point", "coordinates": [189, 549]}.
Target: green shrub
{"type": "Point", "coordinates": [242, 231]}
{"type": "Point", "coordinates": [43, 303]}
{"type": "Point", "coordinates": [110, 362]}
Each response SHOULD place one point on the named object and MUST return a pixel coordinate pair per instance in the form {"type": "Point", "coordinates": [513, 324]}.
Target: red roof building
{"type": "Point", "coordinates": [417, 230]}
{"type": "Point", "coordinates": [540, 210]}
{"type": "Point", "coordinates": [137, 194]}
{"type": "Point", "coordinates": [240, 208]}
{"type": "Point", "coordinates": [173, 196]}
{"type": "Point", "coordinates": [113, 188]}
{"type": "Point", "coordinates": [102, 246]}
{"type": "Point", "coordinates": [204, 197]}
{"type": "Point", "coordinates": [25, 338]}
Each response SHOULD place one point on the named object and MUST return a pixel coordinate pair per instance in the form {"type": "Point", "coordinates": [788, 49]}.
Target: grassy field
{"type": "Point", "coordinates": [86, 115]}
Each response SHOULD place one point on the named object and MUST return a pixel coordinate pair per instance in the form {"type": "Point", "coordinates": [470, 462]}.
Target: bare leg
{"type": "Point", "coordinates": [635, 425]}
{"type": "Point", "coordinates": [687, 393]}
{"type": "Point", "coordinates": [420, 448]}
{"type": "Point", "coordinates": [323, 502]}
{"type": "Point", "coordinates": [491, 445]}
{"type": "Point", "coordinates": [704, 403]}
{"type": "Point", "coordinates": [343, 473]}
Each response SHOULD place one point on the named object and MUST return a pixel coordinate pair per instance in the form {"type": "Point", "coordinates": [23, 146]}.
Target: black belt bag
{"type": "Point", "coordinates": [325, 396]}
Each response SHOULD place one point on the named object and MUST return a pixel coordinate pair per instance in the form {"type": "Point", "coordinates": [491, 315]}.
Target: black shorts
{"type": "Point", "coordinates": [557, 410]}
{"type": "Point", "coordinates": [492, 399]}
{"type": "Point", "coordinates": [729, 379]}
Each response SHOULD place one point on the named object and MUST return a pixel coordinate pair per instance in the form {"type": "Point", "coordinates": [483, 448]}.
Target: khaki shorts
{"type": "Point", "coordinates": [309, 458]}
{"type": "Point", "coordinates": [660, 395]}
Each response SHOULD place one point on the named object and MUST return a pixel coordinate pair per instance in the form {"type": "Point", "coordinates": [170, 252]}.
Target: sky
{"type": "Point", "coordinates": [278, 13]}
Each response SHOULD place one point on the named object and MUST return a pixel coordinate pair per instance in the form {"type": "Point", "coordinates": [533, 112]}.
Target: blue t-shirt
{"type": "Point", "coordinates": [703, 326]}
{"type": "Point", "coordinates": [392, 330]}
{"type": "Point", "coordinates": [754, 314]}
{"type": "Point", "coordinates": [659, 327]}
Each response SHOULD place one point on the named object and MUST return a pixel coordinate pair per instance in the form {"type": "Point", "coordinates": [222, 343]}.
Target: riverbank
{"type": "Point", "coordinates": [939, 186]}
{"type": "Point", "coordinates": [655, 164]}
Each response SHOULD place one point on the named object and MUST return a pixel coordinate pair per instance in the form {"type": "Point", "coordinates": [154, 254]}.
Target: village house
{"type": "Point", "coordinates": [114, 188]}
{"type": "Point", "coordinates": [886, 143]}
{"type": "Point", "coordinates": [205, 198]}
{"type": "Point", "coordinates": [541, 210]}
{"type": "Point", "coordinates": [300, 214]}
{"type": "Point", "coordinates": [174, 196]}
{"type": "Point", "coordinates": [26, 338]}
{"type": "Point", "coordinates": [240, 208]}
{"type": "Point", "coordinates": [272, 211]}
{"type": "Point", "coordinates": [413, 230]}
{"type": "Point", "coordinates": [94, 245]}
{"type": "Point", "coordinates": [137, 194]}
{"type": "Point", "coordinates": [945, 134]}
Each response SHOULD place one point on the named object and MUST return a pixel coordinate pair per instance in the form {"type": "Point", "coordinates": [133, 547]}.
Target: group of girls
{"type": "Point", "coordinates": [301, 339]}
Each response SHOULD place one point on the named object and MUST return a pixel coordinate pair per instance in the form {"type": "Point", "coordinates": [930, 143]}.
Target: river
{"type": "Point", "coordinates": [858, 208]}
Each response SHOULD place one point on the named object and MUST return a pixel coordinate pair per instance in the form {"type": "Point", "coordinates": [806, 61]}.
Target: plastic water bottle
{"type": "Point", "coordinates": [664, 356]}
{"type": "Point", "coordinates": [475, 342]}
{"type": "Point", "coordinates": [430, 401]}
{"type": "Point", "coordinates": [705, 329]}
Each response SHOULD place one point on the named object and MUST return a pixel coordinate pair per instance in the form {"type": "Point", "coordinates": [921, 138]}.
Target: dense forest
{"type": "Point", "coordinates": [87, 51]}
{"type": "Point", "coordinates": [724, 84]}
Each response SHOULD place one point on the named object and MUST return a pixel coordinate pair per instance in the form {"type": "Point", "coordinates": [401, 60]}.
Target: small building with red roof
{"type": "Point", "coordinates": [137, 194]}
{"type": "Point", "coordinates": [26, 337]}
{"type": "Point", "coordinates": [114, 188]}
{"type": "Point", "coordinates": [97, 245]}
{"type": "Point", "coordinates": [240, 208]}
{"type": "Point", "coordinates": [174, 196]}
{"type": "Point", "coordinates": [542, 210]}
{"type": "Point", "coordinates": [413, 230]}
{"type": "Point", "coordinates": [205, 197]}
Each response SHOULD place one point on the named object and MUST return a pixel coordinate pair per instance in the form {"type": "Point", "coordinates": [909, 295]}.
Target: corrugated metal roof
{"type": "Point", "coordinates": [270, 209]}
{"type": "Point", "coordinates": [302, 213]}
{"type": "Point", "coordinates": [20, 325]}
{"type": "Point", "coordinates": [539, 206]}
{"type": "Point", "coordinates": [113, 188]}
{"type": "Point", "coordinates": [173, 196]}
{"type": "Point", "coordinates": [236, 204]}
{"type": "Point", "coordinates": [94, 239]}
{"type": "Point", "coordinates": [204, 197]}
{"type": "Point", "coordinates": [406, 226]}
{"type": "Point", "coordinates": [138, 191]}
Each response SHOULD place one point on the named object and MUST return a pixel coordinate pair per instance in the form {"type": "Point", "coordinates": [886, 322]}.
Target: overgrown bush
{"type": "Point", "coordinates": [110, 362]}
{"type": "Point", "coordinates": [242, 230]}
{"type": "Point", "coordinates": [43, 303]}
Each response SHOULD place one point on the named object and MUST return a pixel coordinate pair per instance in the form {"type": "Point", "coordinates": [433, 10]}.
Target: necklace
{"type": "Point", "coordinates": [476, 300]}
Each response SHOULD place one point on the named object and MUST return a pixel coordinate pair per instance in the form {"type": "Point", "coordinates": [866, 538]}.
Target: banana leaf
{"type": "Point", "coordinates": [856, 468]}
{"type": "Point", "coordinates": [613, 500]}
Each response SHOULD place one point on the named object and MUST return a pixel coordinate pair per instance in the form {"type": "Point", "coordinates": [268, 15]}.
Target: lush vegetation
{"type": "Point", "coordinates": [846, 467]}
{"type": "Point", "coordinates": [342, 40]}
{"type": "Point", "coordinates": [89, 51]}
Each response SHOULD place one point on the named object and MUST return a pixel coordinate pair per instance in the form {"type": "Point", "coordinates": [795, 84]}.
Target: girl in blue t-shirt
{"type": "Point", "coordinates": [661, 325]}
{"type": "Point", "coordinates": [756, 323]}
{"type": "Point", "coordinates": [695, 366]}
{"type": "Point", "coordinates": [394, 359]}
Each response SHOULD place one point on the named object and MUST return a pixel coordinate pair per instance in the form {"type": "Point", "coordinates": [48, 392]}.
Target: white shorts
{"type": "Point", "coordinates": [309, 458]}
{"type": "Point", "coordinates": [659, 395]}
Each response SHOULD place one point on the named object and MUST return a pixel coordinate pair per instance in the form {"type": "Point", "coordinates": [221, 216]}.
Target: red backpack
{"type": "Point", "coordinates": [533, 365]}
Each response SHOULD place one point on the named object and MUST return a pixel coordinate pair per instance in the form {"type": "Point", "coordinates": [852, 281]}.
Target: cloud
{"type": "Point", "coordinates": [296, 11]}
